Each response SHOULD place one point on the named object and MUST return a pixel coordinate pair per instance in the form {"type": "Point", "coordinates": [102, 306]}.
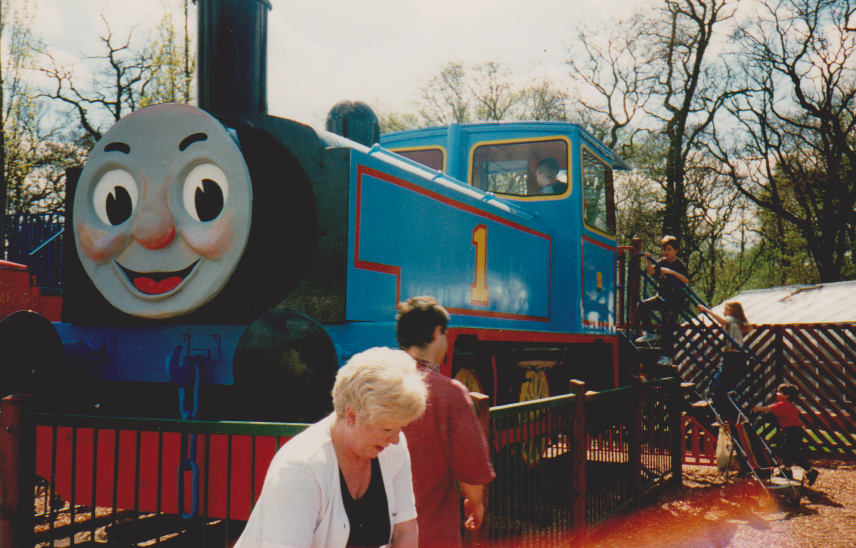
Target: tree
{"type": "Point", "coordinates": [445, 98]}
{"type": "Point", "coordinates": [849, 16]}
{"type": "Point", "coordinates": [115, 90]}
{"type": "Point", "coordinates": [616, 76]}
{"type": "Point", "coordinates": [482, 92]}
{"type": "Point", "coordinates": [127, 78]}
{"type": "Point", "coordinates": [658, 83]}
{"type": "Point", "coordinates": [16, 27]}
{"type": "Point", "coordinates": [38, 142]}
{"type": "Point", "coordinates": [392, 120]}
{"type": "Point", "coordinates": [651, 74]}
{"type": "Point", "coordinates": [173, 63]}
{"type": "Point", "coordinates": [796, 153]}
{"type": "Point", "coordinates": [35, 147]}
{"type": "Point", "coordinates": [544, 100]}
{"type": "Point", "coordinates": [493, 92]}
{"type": "Point", "coordinates": [784, 259]}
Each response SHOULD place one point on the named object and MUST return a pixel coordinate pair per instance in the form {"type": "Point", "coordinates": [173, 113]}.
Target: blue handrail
{"type": "Point", "coordinates": [46, 242]}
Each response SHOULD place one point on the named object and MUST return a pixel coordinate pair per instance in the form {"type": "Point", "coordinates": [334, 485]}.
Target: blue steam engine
{"type": "Point", "coordinates": [238, 259]}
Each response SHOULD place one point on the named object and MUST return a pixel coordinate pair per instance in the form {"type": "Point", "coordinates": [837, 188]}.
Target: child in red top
{"type": "Point", "coordinates": [790, 427]}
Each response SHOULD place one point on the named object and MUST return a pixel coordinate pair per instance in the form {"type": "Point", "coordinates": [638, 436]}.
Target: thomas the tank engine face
{"type": "Point", "coordinates": [162, 211]}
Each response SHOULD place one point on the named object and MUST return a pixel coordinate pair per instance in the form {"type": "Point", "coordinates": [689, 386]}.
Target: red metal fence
{"type": "Point", "coordinates": [562, 463]}
{"type": "Point", "coordinates": [122, 481]}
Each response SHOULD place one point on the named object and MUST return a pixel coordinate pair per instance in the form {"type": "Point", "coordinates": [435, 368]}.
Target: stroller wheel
{"type": "Point", "coordinates": [763, 502]}
{"type": "Point", "coordinates": [723, 493]}
{"type": "Point", "coordinates": [792, 499]}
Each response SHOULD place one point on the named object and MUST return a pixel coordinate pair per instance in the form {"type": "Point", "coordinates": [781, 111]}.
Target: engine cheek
{"type": "Point", "coordinates": [211, 240]}
{"type": "Point", "coordinates": [99, 245]}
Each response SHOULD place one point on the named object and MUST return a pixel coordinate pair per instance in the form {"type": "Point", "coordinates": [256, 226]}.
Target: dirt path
{"type": "Point", "coordinates": [697, 516]}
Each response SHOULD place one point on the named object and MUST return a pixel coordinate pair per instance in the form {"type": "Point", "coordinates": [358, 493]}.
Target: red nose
{"type": "Point", "coordinates": [154, 227]}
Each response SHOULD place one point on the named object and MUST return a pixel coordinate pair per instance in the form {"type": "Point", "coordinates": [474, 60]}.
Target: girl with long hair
{"type": "Point", "coordinates": [733, 367]}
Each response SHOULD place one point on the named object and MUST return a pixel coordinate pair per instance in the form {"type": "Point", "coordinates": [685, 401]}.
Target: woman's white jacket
{"type": "Point", "coordinates": [301, 502]}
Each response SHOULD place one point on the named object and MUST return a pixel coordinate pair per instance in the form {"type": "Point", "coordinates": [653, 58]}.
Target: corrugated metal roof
{"type": "Point", "coordinates": [789, 304]}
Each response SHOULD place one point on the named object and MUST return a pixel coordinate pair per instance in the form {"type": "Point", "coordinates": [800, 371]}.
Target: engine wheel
{"type": "Point", "coordinates": [33, 355]}
{"type": "Point", "coordinates": [470, 379]}
{"type": "Point", "coordinates": [535, 387]}
{"type": "Point", "coordinates": [284, 368]}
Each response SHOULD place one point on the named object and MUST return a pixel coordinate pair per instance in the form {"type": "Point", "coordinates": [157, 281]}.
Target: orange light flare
{"type": "Point", "coordinates": [695, 517]}
{"type": "Point", "coordinates": [700, 518]}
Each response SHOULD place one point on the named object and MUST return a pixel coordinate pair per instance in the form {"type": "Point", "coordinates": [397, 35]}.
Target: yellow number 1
{"type": "Point", "coordinates": [479, 290]}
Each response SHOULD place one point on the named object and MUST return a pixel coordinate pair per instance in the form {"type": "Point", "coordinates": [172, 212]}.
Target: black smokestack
{"type": "Point", "coordinates": [232, 56]}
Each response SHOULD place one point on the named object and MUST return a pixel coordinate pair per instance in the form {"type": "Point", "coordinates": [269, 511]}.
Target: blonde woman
{"type": "Point", "coordinates": [733, 367]}
{"type": "Point", "coordinates": [345, 481]}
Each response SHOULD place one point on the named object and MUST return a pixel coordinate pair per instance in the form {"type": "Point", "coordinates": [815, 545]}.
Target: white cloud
{"type": "Point", "coordinates": [322, 51]}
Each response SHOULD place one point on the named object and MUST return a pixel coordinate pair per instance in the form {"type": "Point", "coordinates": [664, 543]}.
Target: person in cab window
{"type": "Point", "coordinates": [545, 176]}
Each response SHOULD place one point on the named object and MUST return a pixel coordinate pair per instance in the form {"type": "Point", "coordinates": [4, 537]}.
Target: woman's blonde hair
{"type": "Point", "coordinates": [738, 314]}
{"type": "Point", "coordinates": [381, 384]}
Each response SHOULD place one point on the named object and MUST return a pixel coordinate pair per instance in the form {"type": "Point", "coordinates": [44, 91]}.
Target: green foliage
{"type": "Point", "coordinates": [125, 76]}
{"type": "Point", "coordinates": [544, 100]}
{"type": "Point", "coordinates": [794, 148]}
{"type": "Point", "coordinates": [36, 149]}
{"type": "Point", "coordinates": [173, 66]}
{"type": "Point", "coordinates": [40, 140]}
{"type": "Point", "coordinates": [391, 120]}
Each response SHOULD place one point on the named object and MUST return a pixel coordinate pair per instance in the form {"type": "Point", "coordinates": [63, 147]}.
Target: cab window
{"type": "Point", "coordinates": [538, 168]}
{"type": "Point", "coordinates": [428, 157]}
{"type": "Point", "coordinates": [598, 208]}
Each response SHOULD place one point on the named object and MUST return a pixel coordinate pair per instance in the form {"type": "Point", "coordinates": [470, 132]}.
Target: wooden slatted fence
{"type": "Point", "coordinates": [820, 359]}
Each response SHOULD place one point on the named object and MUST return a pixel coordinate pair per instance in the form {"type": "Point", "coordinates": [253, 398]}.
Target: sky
{"type": "Point", "coordinates": [377, 51]}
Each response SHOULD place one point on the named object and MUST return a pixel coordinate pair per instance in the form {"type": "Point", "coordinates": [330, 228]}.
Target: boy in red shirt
{"type": "Point", "coordinates": [790, 427]}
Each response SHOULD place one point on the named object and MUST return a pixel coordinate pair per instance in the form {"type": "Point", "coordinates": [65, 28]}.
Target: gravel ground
{"type": "Point", "coordinates": [697, 516]}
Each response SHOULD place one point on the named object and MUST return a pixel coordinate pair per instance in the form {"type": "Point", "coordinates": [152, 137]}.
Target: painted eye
{"type": "Point", "coordinates": [115, 197]}
{"type": "Point", "coordinates": [205, 192]}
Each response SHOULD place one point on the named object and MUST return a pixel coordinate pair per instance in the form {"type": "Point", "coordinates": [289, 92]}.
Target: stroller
{"type": "Point", "coordinates": [755, 459]}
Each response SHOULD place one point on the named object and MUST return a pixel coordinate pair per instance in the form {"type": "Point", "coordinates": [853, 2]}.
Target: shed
{"type": "Point", "coordinates": [798, 304]}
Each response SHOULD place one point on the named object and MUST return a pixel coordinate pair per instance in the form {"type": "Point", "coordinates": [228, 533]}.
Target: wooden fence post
{"type": "Point", "coordinates": [635, 443]}
{"type": "Point", "coordinates": [578, 462]}
{"type": "Point", "coordinates": [17, 473]}
{"type": "Point", "coordinates": [674, 397]}
{"type": "Point", "coordinates": [779, 371]}
{"type": "Point", "coordinates": [481, 404]}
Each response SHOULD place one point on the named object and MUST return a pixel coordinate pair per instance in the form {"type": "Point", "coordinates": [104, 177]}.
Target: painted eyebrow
{"type": "Point", "coordinates": [118, 147]}
{"type": "Point", "coordinates": [189, 140]}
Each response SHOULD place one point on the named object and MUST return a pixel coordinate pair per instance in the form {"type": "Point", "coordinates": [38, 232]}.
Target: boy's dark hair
{"type": "Point", "coordinates": [670, 240]}
{"type": "Point", "coordinates": [416, 320]}
{"type": "Point", "coordinates": [549, 167]}
{"type": "Point", "coordinates": [789, 390]}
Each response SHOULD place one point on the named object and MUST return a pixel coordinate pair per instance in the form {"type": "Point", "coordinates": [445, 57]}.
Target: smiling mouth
{"type": "Point", "coordinates": [157, 283]}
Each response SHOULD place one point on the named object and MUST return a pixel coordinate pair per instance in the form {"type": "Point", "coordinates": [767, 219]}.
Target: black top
{"type": "Point", "coordinates": [369, 514]}
{"type": "Point", "coordinates": [670, 286]}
